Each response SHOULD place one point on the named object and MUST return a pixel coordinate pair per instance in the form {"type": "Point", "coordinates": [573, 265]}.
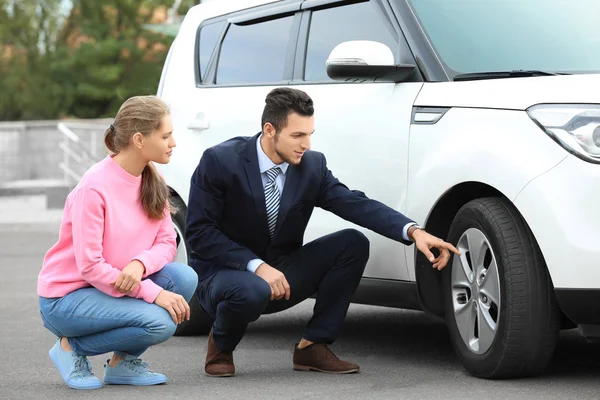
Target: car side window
{"type": "Point", "coordinates": [209, 35]}
{"type": "Point", "coordinates": [254, 53]}
{"type": "Point", "coordinates": [332, 26]}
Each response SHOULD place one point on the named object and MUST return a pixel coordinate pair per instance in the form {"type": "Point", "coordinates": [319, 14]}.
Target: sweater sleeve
{"type": "Point", "coordinates": [87, 215]}
{"type": "Point", "coordinates": [163, 250]}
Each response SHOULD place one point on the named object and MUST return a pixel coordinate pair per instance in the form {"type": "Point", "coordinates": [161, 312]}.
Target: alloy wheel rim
{"type": "Point", "coordinates": [476, 294]}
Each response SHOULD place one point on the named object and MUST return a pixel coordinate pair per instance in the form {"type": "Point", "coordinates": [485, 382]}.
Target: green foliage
{"type": "Point", "coordinates": [84, 64]}
{"type": "Point", "coordinates": [27, 45]}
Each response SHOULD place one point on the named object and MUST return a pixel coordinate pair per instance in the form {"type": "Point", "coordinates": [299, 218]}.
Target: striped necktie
{"type": "Point", "coordinates": [272, 198]}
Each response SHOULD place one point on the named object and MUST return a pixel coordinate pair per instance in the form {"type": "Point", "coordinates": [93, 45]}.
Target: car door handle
{"type": "Point", "coordinates": [200, 123]}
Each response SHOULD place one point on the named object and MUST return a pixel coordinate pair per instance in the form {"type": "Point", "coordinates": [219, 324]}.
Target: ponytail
{"type": "Point", "coordinates": [109, 139]}
{"type": "Point", "coordinates": [154, 193]}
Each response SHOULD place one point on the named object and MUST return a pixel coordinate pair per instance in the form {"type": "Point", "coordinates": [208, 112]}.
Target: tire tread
{"type": "Point", "coordinates": [532, 325]}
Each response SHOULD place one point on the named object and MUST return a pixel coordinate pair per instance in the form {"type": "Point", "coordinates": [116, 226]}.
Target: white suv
{"type": "Point", "coordinates": [478, 119]}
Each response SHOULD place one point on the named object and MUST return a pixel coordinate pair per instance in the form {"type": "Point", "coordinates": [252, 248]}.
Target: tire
{"type": "Point", "coordinates": [200, 323]}
{"type": "Point", "coordinates": [522, 308]}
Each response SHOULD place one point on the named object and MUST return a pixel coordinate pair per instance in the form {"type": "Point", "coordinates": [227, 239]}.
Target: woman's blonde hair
{"type": "Point", "coordinates": [141, 114]}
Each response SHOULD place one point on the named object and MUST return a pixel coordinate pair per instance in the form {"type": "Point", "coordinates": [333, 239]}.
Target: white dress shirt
{"type": "Point", "coordinates": [265, 164]}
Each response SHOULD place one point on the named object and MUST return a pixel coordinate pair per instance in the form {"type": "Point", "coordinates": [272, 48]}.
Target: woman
{"type": "Point", "coordinates": [109, 283]}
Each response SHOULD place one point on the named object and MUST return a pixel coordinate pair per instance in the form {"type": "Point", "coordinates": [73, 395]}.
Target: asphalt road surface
{"type": "Point", "coordinates": [402, 354]}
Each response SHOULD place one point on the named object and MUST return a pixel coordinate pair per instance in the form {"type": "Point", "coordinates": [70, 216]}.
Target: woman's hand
{"type": "Point", "coordinates": [130, 277]}
{"type": "Point", "coordinates": [175, 304]}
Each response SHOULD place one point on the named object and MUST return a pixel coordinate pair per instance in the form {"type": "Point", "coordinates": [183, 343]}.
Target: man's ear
{"type": "Point", "coordinates": [269, 130]}
{"type": "Point", "coordinates": [137, 140]}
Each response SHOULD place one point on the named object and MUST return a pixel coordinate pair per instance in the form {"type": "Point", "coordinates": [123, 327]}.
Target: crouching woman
{"type": "Point", "coordinates": [110, 284]}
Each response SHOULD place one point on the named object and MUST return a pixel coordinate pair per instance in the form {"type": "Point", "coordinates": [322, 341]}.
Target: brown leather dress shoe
{"type": "Point", "coordinates": [218, 363]}
{"type": "Point", "coordinates": [318, 357]}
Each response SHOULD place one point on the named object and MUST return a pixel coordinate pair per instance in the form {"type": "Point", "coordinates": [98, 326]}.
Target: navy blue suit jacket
{"type": "Point", "coordinates": [226, 223]}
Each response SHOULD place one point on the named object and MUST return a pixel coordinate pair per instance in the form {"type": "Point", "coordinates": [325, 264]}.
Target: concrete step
{"type": "Point", "coordinates": [55, 190]}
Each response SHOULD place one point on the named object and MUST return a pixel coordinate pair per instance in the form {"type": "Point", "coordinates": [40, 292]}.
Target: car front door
{"type": "Point", "coordinates": [362, 128]}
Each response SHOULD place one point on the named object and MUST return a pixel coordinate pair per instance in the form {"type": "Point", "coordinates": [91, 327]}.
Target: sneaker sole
{"type": "Point", "coordinates": [73, 385]}
{"type": "Point", "coordinates": [298, 367]}
{"type": "Point", "coordinates": [135, 382]}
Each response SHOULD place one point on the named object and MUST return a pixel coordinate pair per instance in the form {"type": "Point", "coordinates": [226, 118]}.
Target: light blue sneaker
{"type": "Point", "coordinates": [75, 370]}
{"type": "Point", "coordinates": [131, 371]}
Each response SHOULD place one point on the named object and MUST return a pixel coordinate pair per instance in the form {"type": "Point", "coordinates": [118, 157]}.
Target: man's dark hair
{"type": "Point", "coordinates": [281, 101]}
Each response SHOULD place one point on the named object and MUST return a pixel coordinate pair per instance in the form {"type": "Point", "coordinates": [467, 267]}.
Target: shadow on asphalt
{"type": "Point", "coordinates": [416, 337]}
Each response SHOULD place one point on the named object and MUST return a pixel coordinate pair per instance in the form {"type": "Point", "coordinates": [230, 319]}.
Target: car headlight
{"type": "Point", "coordinates": [576, 127]}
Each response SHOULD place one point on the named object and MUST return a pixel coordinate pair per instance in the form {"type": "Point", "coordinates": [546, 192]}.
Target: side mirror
{"type": "Point", "coordinates": [365, 61]}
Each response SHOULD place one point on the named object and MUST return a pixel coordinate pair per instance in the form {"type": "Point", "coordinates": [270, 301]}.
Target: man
{"type": "Point", "coordinates": [249, 205]}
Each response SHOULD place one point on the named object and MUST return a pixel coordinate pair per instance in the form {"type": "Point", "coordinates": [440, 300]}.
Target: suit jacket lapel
{"type": "Point", "coordinates": [255, 181]}
{"type": "Point", "coordinates": [289, 190]}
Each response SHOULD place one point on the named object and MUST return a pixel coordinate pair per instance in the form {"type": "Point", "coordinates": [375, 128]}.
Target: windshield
{"type": "Point", "coordinates": [504, 35]}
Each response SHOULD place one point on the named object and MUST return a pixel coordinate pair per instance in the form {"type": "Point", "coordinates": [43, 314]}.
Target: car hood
{"type": "Point", "coordinates": [512, 93]}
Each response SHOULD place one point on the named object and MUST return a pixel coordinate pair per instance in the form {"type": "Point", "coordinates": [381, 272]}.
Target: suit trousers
{"type": "Point", "coordinates": [330, 266]}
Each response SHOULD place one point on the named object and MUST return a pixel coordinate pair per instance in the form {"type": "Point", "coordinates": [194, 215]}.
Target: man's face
{"type": "Point", "coordinates": [294, 139]}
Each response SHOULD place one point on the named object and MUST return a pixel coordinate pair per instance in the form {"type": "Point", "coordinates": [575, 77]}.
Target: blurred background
{"type": "Point", "coordinates": [66, 66]}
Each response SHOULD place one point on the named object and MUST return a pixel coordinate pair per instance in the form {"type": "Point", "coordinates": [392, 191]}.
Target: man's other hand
{"type": "Point", "coordinates": [279, 285]}
{"type": "Point", "coordinates": [424, 241]}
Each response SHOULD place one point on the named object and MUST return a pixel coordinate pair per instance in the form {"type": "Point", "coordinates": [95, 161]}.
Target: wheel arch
{"type": "Point", "coordinates": [174, 194]}
{"type": "Point", "coordinates": [429, 281]}
{"type": "Point", "coordinates": [179, 204]}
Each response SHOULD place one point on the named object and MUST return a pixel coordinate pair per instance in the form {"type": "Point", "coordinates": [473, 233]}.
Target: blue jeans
{"type": "Point", "coordinates": [96, 323]}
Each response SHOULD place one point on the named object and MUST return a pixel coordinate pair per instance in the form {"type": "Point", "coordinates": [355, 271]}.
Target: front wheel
{"type": "Point", "coordinates": [200, 323]}
{"type": "Point", "coordinates": [499, 302]}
